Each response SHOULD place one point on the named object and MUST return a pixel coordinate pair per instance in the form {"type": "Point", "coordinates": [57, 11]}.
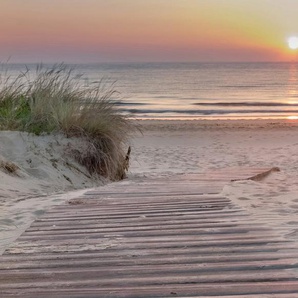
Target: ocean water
{"type": "Point", "coordinates": [197, 90]}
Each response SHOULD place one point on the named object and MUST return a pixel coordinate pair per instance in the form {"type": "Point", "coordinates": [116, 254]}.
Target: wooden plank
{"type": "Point", "coordinates": [90, 293]}
{"type": "Point", "coordinates": [142, 231]}
{"type": "Point", "coordinates": [112, 278]}
{"type": "Point", "coordinates": [240, 218]}
{"type": "Point", "coordinates": [212, 190]}
{"type": "Point", "coordinates": [149, 226]}
{"type": "Point", "coordinates": [232, 214]}
{"type": "Point", "coordinates": [131, 269]}
{"type": "Point", "coordinates": [169, 211]}
{"type": "Point", "coordinates": [112, 206]}
{"type": "Point", "coordinates": [184, 290]}
{"type": "Point", "coordinates": [272, 248]}
{"type": "Point", "coordinates": [83, 260]}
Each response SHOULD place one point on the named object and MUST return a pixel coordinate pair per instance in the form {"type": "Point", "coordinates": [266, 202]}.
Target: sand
{"type": "Point", "coordinates": [165, 148]}
{"type": "Point", "coordinates": [44, 169]}
{"type": "Point", "coordinates": [178, 147]}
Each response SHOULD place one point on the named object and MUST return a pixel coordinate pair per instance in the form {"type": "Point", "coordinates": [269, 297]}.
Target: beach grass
{"type": "Point", "coordinates": [8, 167]}
{"type": "Point", "coordinates": [53, 101]}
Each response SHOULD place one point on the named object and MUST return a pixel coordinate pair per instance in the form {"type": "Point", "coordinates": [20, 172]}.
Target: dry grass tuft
{"type": "Point", "coordinates": [9, 167]}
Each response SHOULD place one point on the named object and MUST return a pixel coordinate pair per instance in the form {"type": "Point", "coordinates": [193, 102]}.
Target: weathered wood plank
{"type": "Point", "coordinates": [180, 289]}
{"type": "Point", "coordinates": [84, 227]}
{"type": "Point", "coordinates": [233, 214]}
{"type": "Point", "coordinates": [94, 294]}
{"type": "Point", "coordinates": [273, 248]}
{"type": "Point", "coordinates": [112, 278]}
{"type": "Point", "coordinates": [110, 206]}
{"type": "Point", "coordinates": [143, 231]}
{"type": "Point", "coordinates": [80, 260]}
{"type": "Point", "coordinates": [131, 270]}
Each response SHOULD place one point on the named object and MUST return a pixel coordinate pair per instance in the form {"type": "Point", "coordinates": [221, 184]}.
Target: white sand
{"type": "Point", "coordinates": [169, 147]}
{"type": "Point", "coordinates": [44, 169]}
{"type": "Point", "coordinates": [164, 149]}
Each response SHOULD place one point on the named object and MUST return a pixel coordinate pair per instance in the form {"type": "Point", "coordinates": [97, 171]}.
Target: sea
{"type": "Point", "coordinates": [194, 90]}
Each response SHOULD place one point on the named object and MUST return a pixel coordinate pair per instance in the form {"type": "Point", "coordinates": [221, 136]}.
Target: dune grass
{"type": "Point", "coordinates": [8, 167]}
{"type": "Point", "coordinates": [53, 101]}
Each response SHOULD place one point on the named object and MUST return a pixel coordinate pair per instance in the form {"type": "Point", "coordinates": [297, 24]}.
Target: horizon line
{"type": "Point", "coordinates": [143, 62]}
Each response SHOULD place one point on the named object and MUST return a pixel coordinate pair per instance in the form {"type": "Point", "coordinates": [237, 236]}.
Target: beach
{"type": "Point", "coordinates": [178, 147]}
{"type": "Point", "coordinates": [164, 148]}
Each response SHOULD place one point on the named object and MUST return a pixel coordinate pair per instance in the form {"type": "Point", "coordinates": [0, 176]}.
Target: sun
{"type": "Point", "coordinates": [293, 43]}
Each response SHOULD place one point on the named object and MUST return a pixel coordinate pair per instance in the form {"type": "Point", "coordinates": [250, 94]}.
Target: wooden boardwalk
{"type": "Point", "coordinates": [176, 237]}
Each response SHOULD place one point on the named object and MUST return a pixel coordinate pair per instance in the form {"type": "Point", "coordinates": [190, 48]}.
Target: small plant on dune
{"type": "Point", "coordinates": [14, 107]}
{"type": "Point", "coordinates": [53, 101]}
{"type": "Point", "coordinates": [8, 167]}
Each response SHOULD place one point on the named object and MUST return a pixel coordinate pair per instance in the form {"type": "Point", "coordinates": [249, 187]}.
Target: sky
{"type": "Point", "coordinates": [87, 31]}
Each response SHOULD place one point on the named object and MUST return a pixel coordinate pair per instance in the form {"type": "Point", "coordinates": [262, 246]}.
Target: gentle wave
{"type": "Point", "coordinates": [246, 104]}
{"type": "Point", "coordinates": [208, 112]}
{"type": "Point", "coordinates": [122, 103]}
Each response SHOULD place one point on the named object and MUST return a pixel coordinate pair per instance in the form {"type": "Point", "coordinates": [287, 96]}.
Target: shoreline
{"type": "Point", "coordinates": [215, 124]}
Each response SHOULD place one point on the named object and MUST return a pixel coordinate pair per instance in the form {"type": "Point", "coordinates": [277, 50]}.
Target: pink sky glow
{"type": "Point", "coordinates": [82, 31]}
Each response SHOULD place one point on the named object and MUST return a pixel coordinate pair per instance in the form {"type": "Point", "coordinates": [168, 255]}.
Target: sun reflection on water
{"type": "Point", "coordinates": [292, 117]}
{"type": "Point", "coordinates": [292, 92]}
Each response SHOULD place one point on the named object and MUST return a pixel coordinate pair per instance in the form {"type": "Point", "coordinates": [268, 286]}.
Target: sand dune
{"type": "Point", "coordinates": [43, 170]}
{"type": "Point", "coordinates": [44, 167]}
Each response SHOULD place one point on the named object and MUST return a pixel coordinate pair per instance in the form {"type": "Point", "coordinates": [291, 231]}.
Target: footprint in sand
{"type": "Point", "coordinates": [283, 189]}
{"type": "Point", "coordinates": [39, 212]}
{"type": "Point", "coordinates": [257, 195]}
{"type": "Point", "coordinates": [255, 206]}
{"type": "Point", "coordinates": [283, 211]}
{"type": "Point", "coordinates": [292, 223]}
{"type": "Point", "coordinates": [243, 199]}
{"type": "Point", "coordinates": [293, 234]}
{"type": "Point", "coordinates": [294, 206]}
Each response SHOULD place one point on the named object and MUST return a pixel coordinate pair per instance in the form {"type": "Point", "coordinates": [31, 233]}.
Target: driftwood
{"type": "Point", "coordinates": [260, 176]}
{"type": "Point", "coordinates": [125, 165]}
{"type": "Point", "coordinates": [126, 160]}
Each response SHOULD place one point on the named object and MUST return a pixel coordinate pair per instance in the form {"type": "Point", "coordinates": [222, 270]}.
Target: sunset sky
{"type": "Point", "coordinates": [82, 31]}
